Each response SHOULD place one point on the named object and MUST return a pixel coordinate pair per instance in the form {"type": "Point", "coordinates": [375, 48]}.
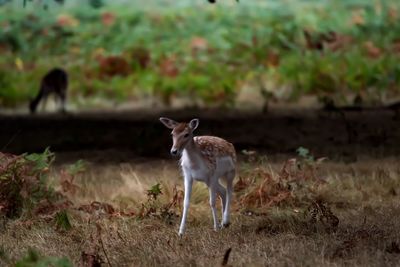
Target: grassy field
{"type": "Point", "coordinates": [288, 211]}
{"type": "Point", "coordinates": [192, 53]}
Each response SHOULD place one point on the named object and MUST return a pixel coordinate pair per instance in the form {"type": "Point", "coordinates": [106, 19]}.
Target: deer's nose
{"type": "Point", "coordinates": [174, 152]}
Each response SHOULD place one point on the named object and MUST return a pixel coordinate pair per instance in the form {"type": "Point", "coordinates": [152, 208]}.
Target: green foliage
{"type": "Point", "coordinates": [3, 255]}
{"type": "Point", "coordinates": [34, 259]}
{"type": "Point", "coordinates": [154, 191]}
{"type": "Point", "coordinates": [23, 182]}
{"type": "Point", "coordinates": [307, 159]}
{"type": "Point", "coordinates": [2, 2]}
{"type": "Point", "coordinates": [62, 220]}
{"type": "Point", "coordinates": [77, 167]}
{"type": "Point", "coordinates": [235, 41]}
{"type": "Point", "coordinates": [304, 153]}
{"type": "Point", "coordinates": [96, 3]}
{"type": "Point", "coordinates": [41, 161]}
{"type": "Point", "coordinates": [45, 2]}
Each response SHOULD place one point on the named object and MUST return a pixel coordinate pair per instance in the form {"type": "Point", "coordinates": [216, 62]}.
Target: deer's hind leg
{"type": "Point", "coordinates": [229, 191]}
{"type": "Point", "coordinates": [222, 193]}
{"type": "Point", "coordinates": [44, 102]}
{"type": "Point", "coordinates": [213, 189]}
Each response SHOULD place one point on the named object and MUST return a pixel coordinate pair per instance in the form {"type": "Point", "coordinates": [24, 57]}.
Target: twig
{"type": "Point", "coordinates": [102, 244]}
{"type": "Point", "coordinates": [120, 236]}
{"type": "Point", "coordinates": [11, 140]}
{"type": "Point", "coordinates": [105, 253]}
{"type": "Point", "coordinates": [226, 257]}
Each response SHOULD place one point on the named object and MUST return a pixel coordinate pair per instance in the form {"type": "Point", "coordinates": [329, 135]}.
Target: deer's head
{"type": "Point", "coordinates": [182, 133]}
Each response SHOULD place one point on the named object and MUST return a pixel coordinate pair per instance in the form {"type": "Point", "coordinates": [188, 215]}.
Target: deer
{"type": "Point", "coordinates": [204, 159]}
{"type": "Point", "coordinates": [54, 82]}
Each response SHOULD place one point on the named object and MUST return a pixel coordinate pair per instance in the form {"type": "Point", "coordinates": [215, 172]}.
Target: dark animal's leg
{"type": "Point", "coordinates": [63, 99]}
{"type": "Point", "coordinates": [35, 102]}
{"type": "Point", "coordinates": [44, 102]}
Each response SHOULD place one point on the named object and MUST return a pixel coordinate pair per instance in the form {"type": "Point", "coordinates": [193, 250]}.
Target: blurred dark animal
{"type": "Point", "coordinates": [214, 1]}
{"type": "Point", "coordinates": [54, 82]}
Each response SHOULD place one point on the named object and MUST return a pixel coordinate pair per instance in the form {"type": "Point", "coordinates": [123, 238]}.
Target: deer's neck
{"type": "Point", "coordinates": [191, 156]}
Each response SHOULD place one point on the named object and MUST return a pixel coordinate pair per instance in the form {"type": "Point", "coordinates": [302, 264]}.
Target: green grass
{"type": "Point", "coordinates": [240, 39]}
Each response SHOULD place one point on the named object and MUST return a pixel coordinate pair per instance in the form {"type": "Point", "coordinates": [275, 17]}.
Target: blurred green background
{"type": "Point", "coordinates": [137, 53]}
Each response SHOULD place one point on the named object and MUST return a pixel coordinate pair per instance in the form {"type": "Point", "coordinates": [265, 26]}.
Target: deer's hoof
{"type": "Point", "coordinates": [225, 225]}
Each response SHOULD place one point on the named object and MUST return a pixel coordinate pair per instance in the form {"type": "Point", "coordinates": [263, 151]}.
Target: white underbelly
{"type": "Point", "coordinates": [224, 165]}
{"type": "Point", "coordinates": [200, 171]}
{"type": "Point", "coordinates": [201, 175]}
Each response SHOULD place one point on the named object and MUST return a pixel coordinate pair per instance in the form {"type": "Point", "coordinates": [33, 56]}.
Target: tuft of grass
{"type": "Point", "coordinates": [154, 191]}
{"type": "Point", "coordinates": [77, 167]}
{"type": "Point", "coordinates": [62, 220]}
{"type": "Point", "coordinates": [34, 259]}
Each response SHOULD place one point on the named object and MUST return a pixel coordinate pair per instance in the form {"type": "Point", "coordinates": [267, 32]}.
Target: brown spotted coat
{"type": "Point", "coordinates": [212, 147]}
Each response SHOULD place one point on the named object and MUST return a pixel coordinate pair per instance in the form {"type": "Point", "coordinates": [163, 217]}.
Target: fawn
{"type": "Point", "coordinates": [204, 159]}
{"type": "Point", "coordinates": [54, 82]}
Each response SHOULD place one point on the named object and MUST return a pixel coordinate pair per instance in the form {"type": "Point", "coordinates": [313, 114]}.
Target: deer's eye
{"type": "Point", "coordinates": [186, 135]}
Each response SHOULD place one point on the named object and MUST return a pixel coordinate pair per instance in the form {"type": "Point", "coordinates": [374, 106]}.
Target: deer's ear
{"type": "Point", "coordinates": [168, 122]}
{"type": "Point", "coordinates": [193, 124]}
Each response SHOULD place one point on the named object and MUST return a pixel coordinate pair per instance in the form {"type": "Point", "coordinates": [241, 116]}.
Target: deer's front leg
{"type": "Point", "coordinates": [62, 99]}
{"type": "Point", "coordinates": [44, 103]}
{"type": "Point", "coordinates": [213, 199]}
{"type": "Point", "coordinates": [188, 181]}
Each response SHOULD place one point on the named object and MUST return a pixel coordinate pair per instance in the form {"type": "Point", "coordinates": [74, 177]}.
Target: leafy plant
{"type": "Point", "coordinates": [77, 167]}
{"type": "Point", "coordinates": [305, 153]}
{"type": "Point", "coordinates": [307, 160]}
{"type": "Point", "coordinates": [62, 220]}
{"type": "Point", "coordinates": [154, 208]}
{"type": "Point", "coordinates": [23, 182]}
{"type": "Point", "coordinates": [41, 161]}
{"type": "Point", "coordinates": [204, 56]}
{"type": "Point", "coordinates": [34, 259]}
{"type": "Point", "coordinates": [294, 185]}
{"type": "Point", "coordinates": [154, 191]}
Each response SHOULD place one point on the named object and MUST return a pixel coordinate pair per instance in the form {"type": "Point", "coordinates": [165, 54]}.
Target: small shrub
{"type": "Point", "coordinates": [140, 57]}
{"type": "Point", "coordinates": [77, 167]}
{"type": "Point", "coordinates": [62, 220]}
{"type": "Point", "coordinates": [153, 208]}
{"type": "Point", "coordinates": [23, 182]}
{"type": "Point", "coordinates": [154, 191]}
{"type": "Point", "coordinates": [293, 185]}
{"type": "Point", "coordinates": [34, 259]}
{"type": "Point", "coordinates": [113, 66]}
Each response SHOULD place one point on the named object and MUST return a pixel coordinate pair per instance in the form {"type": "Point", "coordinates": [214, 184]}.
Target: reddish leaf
{"type": "Point", "coordinates": [273, 59]}
{"type": "Point", "coordinates": [168, 67]}
{"type": "Point", "coordinates": [140, 56]}
{"type": "Point", "coordinates": [108, 18]}
{"type": "Point", "coordinates": [198, 44]}
{"type": "Point", "coordinates": [113, 66]}
{"type": "Point", "coordinates": [372, 50]}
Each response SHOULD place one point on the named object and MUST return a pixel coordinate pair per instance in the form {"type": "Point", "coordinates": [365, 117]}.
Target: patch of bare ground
{"type": "Point", "coordinates": [297, 212]}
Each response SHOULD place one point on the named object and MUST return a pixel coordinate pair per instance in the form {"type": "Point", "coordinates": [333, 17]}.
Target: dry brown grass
{"type": "Point", "coordinates": [292, 230]}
